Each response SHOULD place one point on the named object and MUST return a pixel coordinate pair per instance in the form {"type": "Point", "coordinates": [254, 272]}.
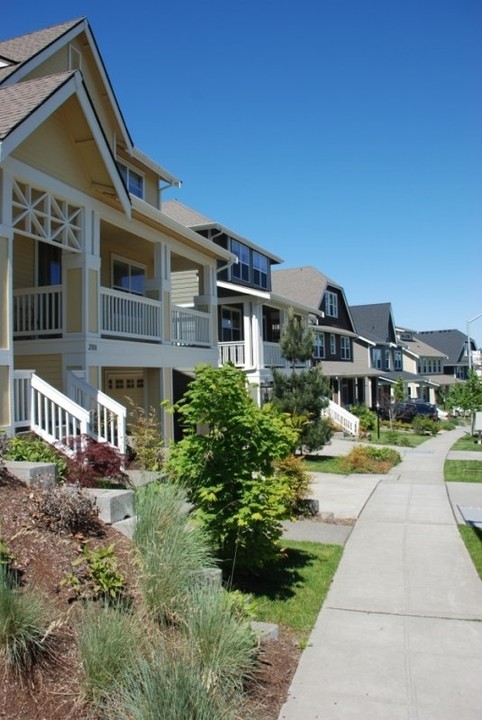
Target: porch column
{"type": "Point", "coordinates": [156, 285]}
{"type": "Point", "coordinates": [247, 334]}
{"type": "Point", "coordinates": [165, 259]}
{"type": "Point", "coordinates": [257, 334]}
{"type": "Point", "coordinates": [167, 393]}
{"type": "Point", "coordinates": [6, 304]}
{"type": "Point", "coordinates": [207, 299]}
{"type": "Point", "coordinates": [81, 284]}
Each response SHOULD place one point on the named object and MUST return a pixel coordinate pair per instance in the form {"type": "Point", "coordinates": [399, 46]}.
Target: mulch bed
{"type": "Point", "coordinates": [43, 559]}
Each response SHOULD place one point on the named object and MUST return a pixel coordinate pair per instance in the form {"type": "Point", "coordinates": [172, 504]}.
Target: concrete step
{"type": "Point", "coordinates": [114, 505]}
{"type": "Point", "coordinates": [41, 474]}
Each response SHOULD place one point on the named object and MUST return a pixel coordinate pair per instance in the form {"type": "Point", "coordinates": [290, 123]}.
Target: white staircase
{"type": "Point", "coordinates": [345, 420]}
{"type": "Point", "coordinates": [60, 419]}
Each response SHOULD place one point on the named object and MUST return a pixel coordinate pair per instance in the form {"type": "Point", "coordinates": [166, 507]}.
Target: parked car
{"type": "Point", "coordinates": [407, 410]}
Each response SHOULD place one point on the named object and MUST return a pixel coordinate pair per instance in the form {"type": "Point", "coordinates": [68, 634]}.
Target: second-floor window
{"type": "Point", "coordinates": [331, 304]}
{"type": "Point", "coordinates": [377, 358]}
{"type": "Point", "coordinates": [134, 181]}
{"type": "Point", "coordinates": [333, 344]}
{"type": "Point", "coordinates": [397, 360]}
{"type": "Point", "coordinates": [241, 269]}
{"type": "Point", "coordinates": [260, 270]}
{"type": "Point", "coordinates": [429, 365]}
{"type": "Point", "coordinates": [128, 276]}
{"type": "Point", "coordinates": [387, 360]}
{"type": "Point", "coordinates": [345, 348]}
{"type": "Point", "coordinates": [319, 346]}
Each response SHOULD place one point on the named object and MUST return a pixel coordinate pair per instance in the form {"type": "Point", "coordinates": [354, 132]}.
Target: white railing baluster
{"type": "Point", "coordinates": [341, 417]}
{"type": "Point", "coordinates": [37, 311]}
{"type": "Point", "coordinates": [190, 327]}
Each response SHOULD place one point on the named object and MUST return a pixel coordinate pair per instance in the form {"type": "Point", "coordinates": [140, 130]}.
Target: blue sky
{"type": "Point", "coordinates": [344, 134]}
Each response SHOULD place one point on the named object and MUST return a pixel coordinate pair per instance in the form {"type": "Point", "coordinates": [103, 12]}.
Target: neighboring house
{"type": "Point", "coordinates": [333, 328]}
{"type": "Point", "coordinates": [388, 356]}
{"type": "Point", "coordinates": [453, 344]}
{"type": "Point", "coordinates": [87, 258]}
{"type": "Point", "coordinates": [250, 314]}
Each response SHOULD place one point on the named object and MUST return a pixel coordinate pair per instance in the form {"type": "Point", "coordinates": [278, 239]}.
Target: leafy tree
{"type": "Point", "coordinates": [399, 390]}
{"type": "Point", "coordinates": [467, 395]}
{"type": "Point", "coordinates": [302, 394]}
{"type": "Point", "coordinates": [226, 460]}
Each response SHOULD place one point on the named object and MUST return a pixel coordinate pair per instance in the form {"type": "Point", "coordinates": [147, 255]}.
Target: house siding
{"type": "Point", "coordinates": [48, 367]}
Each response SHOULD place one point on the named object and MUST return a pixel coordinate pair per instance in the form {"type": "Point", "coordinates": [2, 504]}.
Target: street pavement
{"type": "Point", "coordinates": [399, 636]}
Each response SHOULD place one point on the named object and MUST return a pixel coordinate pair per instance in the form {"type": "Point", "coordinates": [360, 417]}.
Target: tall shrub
{"type": "Point", "coordinates": [229, 465]}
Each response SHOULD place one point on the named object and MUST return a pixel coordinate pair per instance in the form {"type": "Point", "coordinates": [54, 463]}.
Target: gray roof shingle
{"type": "Point", "coordinates": [305, 285]}
{"type": "Point", "coordinates": [20, 49]}
{"type": "Point", "coordinates": [451, 343]}
{"type": "Point", "coordinates": [18, 101]}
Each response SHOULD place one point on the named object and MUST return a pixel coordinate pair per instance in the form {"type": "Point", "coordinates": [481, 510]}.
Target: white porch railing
{"type": "Point", "coordinates": [190, 327]}
{"type": "Point", "coordinates": [345, 420]}
{"type": "Point", "coordinates": [107, 418]}
{"type": "Point", "coordinates": [272, 355]}
{"type": "Point", "coordinates": [130, 316]}
{"type": "Point", "coordinates": [53, 416]}
{"type": "Point", "coordinates": [21, 398]}
{"type": "Point", "coordinates": [37, 311]}
{"type": "Point", "coordinates": [232, 352]}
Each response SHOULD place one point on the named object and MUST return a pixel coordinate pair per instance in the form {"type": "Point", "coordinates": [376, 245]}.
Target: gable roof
{"type": "Point", "coordinates": [26, 52]}
{"type": "Point", "coordinates": [19, 50]}
{"type": "Point", "coordinates": [374, 322]}
{"type": "Point", "coordinates": [196, 221]}
{"type": "Point", "coordinates": [17, 102]}
{"type": "Point", "coordinates": [419, 348]}
{"type": "Point", "coordinates": [306, 284]}
{"type": "Point", "coordinates": [452, 343]}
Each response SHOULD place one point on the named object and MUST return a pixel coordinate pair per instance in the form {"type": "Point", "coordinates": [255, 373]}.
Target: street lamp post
{"type": "Point", "coordinates": [468, 339]}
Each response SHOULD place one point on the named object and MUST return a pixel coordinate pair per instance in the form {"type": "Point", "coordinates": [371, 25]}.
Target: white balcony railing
{"type": "Point", "coordinates": [130, 316]}
{"type": "Point", "coordinates": [107, 418]}
{"type": "Point", "coordinates": [345, 420]}
{"type": "Point", "coordinates": [232, 352]}
{"type": "Point", "coordinates": [190, 327]}
{"type": "Point", "coordinates": [37, 311]}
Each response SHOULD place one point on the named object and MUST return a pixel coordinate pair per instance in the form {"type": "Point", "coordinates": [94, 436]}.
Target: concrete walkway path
{"type": "Point", "coordinates": [399, 636]}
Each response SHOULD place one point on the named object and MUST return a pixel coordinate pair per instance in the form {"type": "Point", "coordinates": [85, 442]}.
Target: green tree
{"type": "Point", "coordinates": [467, 395]}
{"type": "Point", "coordinates": [399, 390]}
{"type": "Point", "coordinates": [302, 394]}
{"type": "Point", "coordinates": [226, 460]}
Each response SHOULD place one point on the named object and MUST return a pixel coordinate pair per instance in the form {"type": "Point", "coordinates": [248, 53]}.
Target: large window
{"type": "Point", "coordinates": [377, 358]}
{"type": "Point", "coordinates": [241, 269]}
{"type": "Point", "coordinates": [333, 344]}
{"type": "Point", "coordinates": [134, 181]}
{"type": "Point", "coordinates": [331, 304]}
{"type": "Point", "coordinates": [397, 360]}
{"type": "Point", "coordinates": [49, 264]}
{"type": "Point", "coordinates": [230, 324]}
{"type": "Point", "coordinates": [128, 276]}
{"type": "Point", "coordinates": [319, 346]}
{"type": "Point", "coordinates": [345, 348]}
{"type": "Point", "coordinates": [260, 270]}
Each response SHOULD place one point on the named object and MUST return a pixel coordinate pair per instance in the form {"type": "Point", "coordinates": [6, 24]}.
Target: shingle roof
{"type": "Point", "coordinates": [305, 285]}
{"type": "Point", "coordinates": [450, 342]}
{"type": "Point", "coordinates": [422, 349]}
{"type": "Point", "coordinates": [18, 101]}
{"type": "Point", "coordinates": [374, 321]}
{"type": "Point", "coordinates": [184, 214]}
{"type": "Point", "coordinates": [20, 49]}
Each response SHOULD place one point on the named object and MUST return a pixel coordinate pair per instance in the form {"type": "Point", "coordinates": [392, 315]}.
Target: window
{"type": "Point", "coordinates": [260, 270]}
{"type": "Point", "coordinates": [377, 358]}
{"type": "Point", "coordinates": [49, 264]}
{"type": "Point", "coordinates": [319, 346]}
{"type": "Point", "coordinates": [397, 360]}
{"type": "Point", "coordinates": [133, 180]}
{"type": "Point", "coordinates": [387, 359]}
{"type": "Point", "coordinates": [345, 348]}
{"type": "Point", "coordinates": [230, 324]}
{"type": "Point", "coordinates": [128, 276]}
{"type": "Point", "coordinates": [331, 304]}
{"type": "Point", "coordinates": [333, 344]}
{"type": "Point", "coordinates": [241, 269]}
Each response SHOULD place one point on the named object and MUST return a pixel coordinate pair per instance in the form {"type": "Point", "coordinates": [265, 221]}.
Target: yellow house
{"type": "Point", "coordinates": [87, 257]}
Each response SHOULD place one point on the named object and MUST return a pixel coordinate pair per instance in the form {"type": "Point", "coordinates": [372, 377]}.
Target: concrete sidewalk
{"type": "Point", "coordinates": [400, 633]}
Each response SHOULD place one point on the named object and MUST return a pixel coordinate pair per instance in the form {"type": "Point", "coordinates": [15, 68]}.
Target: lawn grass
{"type": "Point", "coordinates": [325, 464]}
{"type": "Point", "coordinates": [472, 538]}
{"type": "Point", "coordinates": [467, 442]}
{"type": "Point", "coordinates": [399, 438]}
{"type": "Point", "coordinates": [291, 592]}
{"type": "Point", "coordinates": [463, 471]}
